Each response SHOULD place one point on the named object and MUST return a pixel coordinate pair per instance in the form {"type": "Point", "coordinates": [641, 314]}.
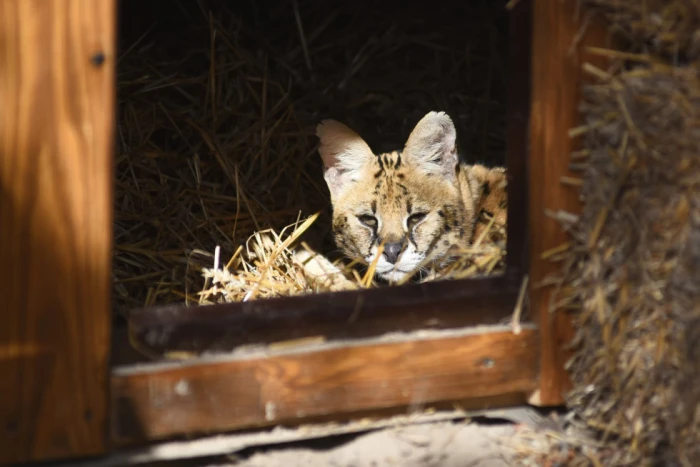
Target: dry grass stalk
{"type": "Point", "coordinates": [572, 445]}
{"type": "Point", "coordinates": [267, 268]}
{"type": "Point", "coordinates": [216, 122]}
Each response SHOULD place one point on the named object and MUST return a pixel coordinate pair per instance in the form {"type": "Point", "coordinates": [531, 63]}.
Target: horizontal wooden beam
{"type": "Point", "coordinates": [340, 315]}
{"type": "Point", "coordinates": [223, 393]}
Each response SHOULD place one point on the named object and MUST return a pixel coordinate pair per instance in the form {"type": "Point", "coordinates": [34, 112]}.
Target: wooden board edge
{"type": "Point", "coordinates": [219, 395]}
{"type": "Point", "coordinates": [56, 173]}
{"type": "Point", "coordinates": [560, 35]}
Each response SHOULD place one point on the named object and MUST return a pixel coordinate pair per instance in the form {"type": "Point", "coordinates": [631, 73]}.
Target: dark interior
{"type": "Point", "coordinates": [376, 66]}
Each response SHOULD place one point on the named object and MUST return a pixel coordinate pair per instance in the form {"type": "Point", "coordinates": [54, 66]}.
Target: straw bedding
{"type": "Point", "coordinates": [632, 275]}
{"type": "Point", "coordinates": [217, 106]}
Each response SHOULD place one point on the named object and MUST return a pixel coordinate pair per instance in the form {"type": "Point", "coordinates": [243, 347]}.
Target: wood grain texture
{"type": "Point", "coordinates": [339, 315]}
{"type": "Point", "coordinates": [207, 396]}
{"type": "Point", "coordinates": [557, 55]}
{"type": "Point", "coordinates": [56, 117]}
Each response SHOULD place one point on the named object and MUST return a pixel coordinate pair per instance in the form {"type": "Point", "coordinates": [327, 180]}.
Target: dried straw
{"type": "Point", "coordinates": [216, 119]}
{"type": "Point", "coordinates": [267, 267]}
{"type": "Point", "coordinates": [572, 445]}
{"type": "Point", "coordinates": [630, 272]}
{"type": "Point", "coordinates": [664, 28]}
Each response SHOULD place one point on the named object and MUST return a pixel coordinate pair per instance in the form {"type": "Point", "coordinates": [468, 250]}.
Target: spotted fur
{"type": "Point", "coordinates": [420, 203]}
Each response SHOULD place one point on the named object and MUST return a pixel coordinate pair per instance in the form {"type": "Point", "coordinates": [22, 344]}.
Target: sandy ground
{"type": "Point", "coordinates": [448, 438]}
{"type": "Point", "coordinates": [442, 444]}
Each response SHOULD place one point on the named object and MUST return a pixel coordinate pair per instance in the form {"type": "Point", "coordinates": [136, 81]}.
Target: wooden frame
{"type": "Point", "coordinates": [290, 360]}
{"type": "Point", "coordinates": [366, 313]}
{"type": "Point", "coordinates": [56, 97]}
{"type": "Point", "coordinates": [312, 330]}
{"type": "Point", "coordinates": [560, 36]}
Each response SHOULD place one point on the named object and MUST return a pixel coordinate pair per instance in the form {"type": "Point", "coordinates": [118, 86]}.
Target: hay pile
{"type": "Point", "coordinates": [633, 273]}
{"type": "Point", "coordinates": [268, 267]}
{"type": "Point", "coordinates": [666, 28]}
{"type": "Point", "coordinates": [217, 106]}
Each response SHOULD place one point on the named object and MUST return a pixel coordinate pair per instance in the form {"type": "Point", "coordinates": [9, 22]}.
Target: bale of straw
{"type": "Point", "coordinates": [636, 273]}
{"type": "Point", "coordinates": [217, 107]}
{"type": "Point", "coordinates": [666, 28]}
{"type": "Point", "coordinates": [632, 273]}
{"type": "Point", "coordinates": [572, 445]}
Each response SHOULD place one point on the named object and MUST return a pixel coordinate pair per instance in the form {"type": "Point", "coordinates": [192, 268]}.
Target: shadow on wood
{"type": "Point", "coordinates": [341, 315]}
{"type": "Point", "coordinates": [56, 106]}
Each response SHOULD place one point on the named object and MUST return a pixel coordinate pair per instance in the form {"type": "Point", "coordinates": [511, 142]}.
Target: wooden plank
{"type": "Point", "coordinates": [226, 393]}
{"type": "Point", "coordinates": [519, 49]}
{"type": "Point", "coordinates": [557, 54]}
{"type": "Point", "coordinates": [56, 117]}
{"type": "Point", "coordinates": [340, 315]}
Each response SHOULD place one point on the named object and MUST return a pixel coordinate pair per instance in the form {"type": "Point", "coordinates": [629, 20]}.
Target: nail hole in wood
{"type": "Point", "coordinates": [98, 59]}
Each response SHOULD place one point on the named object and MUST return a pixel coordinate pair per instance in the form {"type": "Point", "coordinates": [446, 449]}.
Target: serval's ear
{"type": "Point", "coordinates": [431, 147]}
{"type": "Point", "coordinates": [344, 154]}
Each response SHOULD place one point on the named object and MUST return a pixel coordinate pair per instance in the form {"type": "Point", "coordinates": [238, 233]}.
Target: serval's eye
{"type": "Point", "coordinates": [414, 219]}
{"type": "Point", "coordinates": [369, 221]}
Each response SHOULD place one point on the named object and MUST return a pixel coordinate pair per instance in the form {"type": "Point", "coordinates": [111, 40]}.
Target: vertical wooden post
{"type": "Point", "coordinates": [56, 127]}
{"type": "Point", "coordinates": [557, 56]}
